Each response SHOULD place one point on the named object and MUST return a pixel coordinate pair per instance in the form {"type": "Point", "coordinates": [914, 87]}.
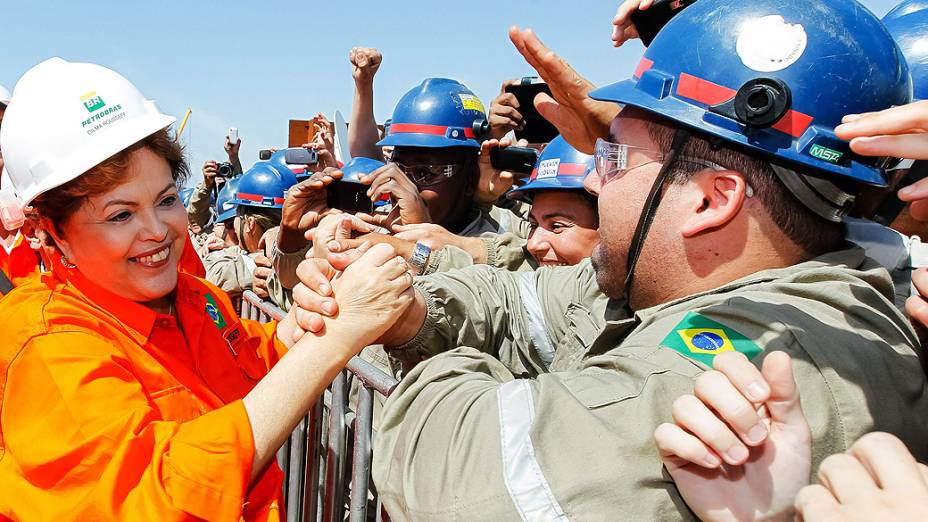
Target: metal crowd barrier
{"type": "Point", "coordinates": [329, 441]}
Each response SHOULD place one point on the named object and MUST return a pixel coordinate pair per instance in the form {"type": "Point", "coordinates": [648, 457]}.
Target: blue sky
{"type": "Point", "coordinates": [255, 65]}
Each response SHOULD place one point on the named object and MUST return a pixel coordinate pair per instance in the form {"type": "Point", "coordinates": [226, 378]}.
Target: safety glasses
{"type": "Point", "coordinates": [612, 161]}
{"type": "Point", "coordinates": [428, 175]}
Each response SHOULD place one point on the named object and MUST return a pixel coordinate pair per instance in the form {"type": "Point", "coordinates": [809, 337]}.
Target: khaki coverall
{"type": "Point", "coordinates": [551, 413]}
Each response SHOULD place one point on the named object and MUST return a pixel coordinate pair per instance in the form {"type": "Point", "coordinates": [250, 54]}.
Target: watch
{"type": "Point", "coordinates": [420, 258]}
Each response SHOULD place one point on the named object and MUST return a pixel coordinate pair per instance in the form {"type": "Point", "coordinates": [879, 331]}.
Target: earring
{"type": "Point", "coordinates": [66, 262]}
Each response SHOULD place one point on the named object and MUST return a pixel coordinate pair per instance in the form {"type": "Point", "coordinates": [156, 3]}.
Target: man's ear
{"type": "Point", "coordinates": [715, 199]}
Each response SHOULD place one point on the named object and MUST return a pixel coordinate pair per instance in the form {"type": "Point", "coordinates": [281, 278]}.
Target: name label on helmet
{"type": "Point", "coordinates": [471, 102]}
{"type": "Point", "coordinates": [99, 119]}
{"type": "Point", "coordinates": [548, 168]}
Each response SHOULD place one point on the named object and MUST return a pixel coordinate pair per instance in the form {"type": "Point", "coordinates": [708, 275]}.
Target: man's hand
{"type": "Point", "coordinates": [504, 114]}
{"type": "Point", "coordinates": [259, 279]}
{"type": "Point", "coordinates": [335, 233]}
{"type": "Point", "coordinates": [579, 118]}
{"type": "Point", "coordinates": [304, 206]}
{"type": "Point", "coordinates": [622, 27]}
{"type": "Point", "coordinates": [210, 170]}
{"type": "Point", "coordinates": [493, 183]}
{"type": "Point", "coordinates": [899, 132]}
{"type": "Point", "coordinates": [876, 479]}
{"type": "Point", "coordinates": [408, 206]}
{"type": "Point", "coordinates": [729, 460]}
{"type": "Point", "coordinates": [232, 149]}
{"type": "Point", "coordinates": [364, 63]}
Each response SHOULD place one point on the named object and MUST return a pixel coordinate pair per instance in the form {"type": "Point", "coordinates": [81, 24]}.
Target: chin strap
{"type": "Point", "coordinates": [680, 137]}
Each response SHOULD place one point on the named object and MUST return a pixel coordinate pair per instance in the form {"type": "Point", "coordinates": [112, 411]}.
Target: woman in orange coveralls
{"type": "Point", "coordinates": [129, 390]}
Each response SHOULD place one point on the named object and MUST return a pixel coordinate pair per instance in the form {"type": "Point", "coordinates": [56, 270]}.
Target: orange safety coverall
{"type": "Point", "coordinates": [109, 410]}
{"type": "Point", "coordinates": [21, 262]}
{"type": "Point", "coordinates": [190, 261]}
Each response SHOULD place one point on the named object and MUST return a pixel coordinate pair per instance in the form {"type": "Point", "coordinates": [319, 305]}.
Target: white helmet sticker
{"type": "Point", "coordinates": [770, 44]}
{"type": "Point", "coordinates": [548, 168]}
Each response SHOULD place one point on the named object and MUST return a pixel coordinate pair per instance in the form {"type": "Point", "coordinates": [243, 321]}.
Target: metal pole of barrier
{"type": "Point", "coordinates": [361, 462]}
{"type": "Point", "coordinates": [313, 462]}
{"type": "Point", "coordinates": [295, 488]}
{"type": "Point", "coordinates": [333, 504]}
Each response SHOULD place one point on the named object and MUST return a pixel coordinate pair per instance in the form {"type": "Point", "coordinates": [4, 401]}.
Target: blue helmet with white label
{"type": "Point", "coordinates": [437, 113]}
{"type": "Point", "coordinates": [264, 185]}
{"type": "Point", "coordinates": [560, 167]}
{"type": "Point", "coordinates": [225, 201]}
{"type": "Point", "coordinates": [908, 23]}
{"type": "Point", "coordinates": [774, 77]}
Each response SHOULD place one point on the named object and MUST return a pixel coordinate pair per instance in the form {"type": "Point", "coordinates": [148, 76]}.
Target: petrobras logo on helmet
{"type": "Point", "coordinates": [100, 114]}
{"type": "Point", "coordinates": [471, 103]}
{"type": "Point", "coordinates": [770, 43]}
{"type": "Point", "coordinates": [548, 168]}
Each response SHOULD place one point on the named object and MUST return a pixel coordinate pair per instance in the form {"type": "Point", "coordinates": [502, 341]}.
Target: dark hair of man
{"type": "Point", "coordinates": [812, 233]}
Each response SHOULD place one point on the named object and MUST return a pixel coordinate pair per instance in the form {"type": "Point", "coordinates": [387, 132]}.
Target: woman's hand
{"type": "Point", "coordinates": [372, 293]}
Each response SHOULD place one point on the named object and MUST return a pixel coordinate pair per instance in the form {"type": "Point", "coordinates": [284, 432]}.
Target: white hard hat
{"type": "Point", "coordinates": [67, 119]}
{"type": "Point", "coordinates": [4, 96]}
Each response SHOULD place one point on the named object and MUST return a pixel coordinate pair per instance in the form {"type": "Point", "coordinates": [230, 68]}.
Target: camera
{"type": "Point", "coordinates": [225, 170]}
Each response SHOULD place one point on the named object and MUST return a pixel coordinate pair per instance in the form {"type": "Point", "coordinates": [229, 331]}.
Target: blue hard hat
{"type": "Point", "coordinates": [225, 201]}
{"type": "Point", "coordinates": [185, 194]}
{"type": "Point", "coordinates": [437, 113]}
{"type": "Point", "coordinates": [358, 166]}
{"type": "Point", "coordinates": [905, 8]}
{"type": "Point", "coordinates": [560, 167]}
{"type": "Point", "coordinates": [774, 76]}
{"type": "Point", "coordinates": [908, 24]}
{"type": "Point", "coordinates": [265, 185]}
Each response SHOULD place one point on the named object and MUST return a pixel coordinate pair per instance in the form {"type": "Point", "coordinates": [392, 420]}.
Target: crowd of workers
{"type": "Point", "coordinates": [704, 299]}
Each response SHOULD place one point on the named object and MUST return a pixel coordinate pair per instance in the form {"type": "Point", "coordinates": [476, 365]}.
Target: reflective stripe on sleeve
{"type": "Point", "coordinates": [504, 222]}
{"type": "Point", "coordinates": [537, 328]}
{"type": "Point", "coordinates": [527, 486]}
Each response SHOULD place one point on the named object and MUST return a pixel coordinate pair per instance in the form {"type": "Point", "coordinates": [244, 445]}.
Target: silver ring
{"type": "Point", "coordinates": [412, 278]}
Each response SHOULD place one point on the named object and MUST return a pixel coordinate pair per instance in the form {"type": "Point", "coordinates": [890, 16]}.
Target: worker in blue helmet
{"type": "Point", "coordinates": [432, 179]}
{"type": "Point", "coordinates": [250, 208]}
{"type": "Point", "coordinates": [721, 188]}
{"type": "Point", "coordinates": [435, 132]}
{"type": "Point", "coordinates": [563, 214]}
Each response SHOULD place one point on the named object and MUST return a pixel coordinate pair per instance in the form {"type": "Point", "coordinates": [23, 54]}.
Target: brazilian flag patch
{"type": "Point", "coordinates": [212, 310]}
{"type": "Point", "coordinates": [700, 338]}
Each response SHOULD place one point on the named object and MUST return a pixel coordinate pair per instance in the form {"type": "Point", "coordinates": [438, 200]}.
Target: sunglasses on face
{"type": "Point", "coordinates": [428, 175]}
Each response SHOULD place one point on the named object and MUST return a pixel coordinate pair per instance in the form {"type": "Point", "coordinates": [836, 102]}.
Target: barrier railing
{"type": "Point", "coordinates": [317, 457]}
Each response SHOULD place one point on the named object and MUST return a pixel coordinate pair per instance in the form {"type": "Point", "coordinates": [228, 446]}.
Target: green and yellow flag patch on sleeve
{"type": "Point", "coordinates": [701, 338]}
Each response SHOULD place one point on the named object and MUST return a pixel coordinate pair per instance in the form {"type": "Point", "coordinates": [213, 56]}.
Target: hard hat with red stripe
{"type": "Point", "coordinates": [774, 77]}
{"type": "Point", "coordinates": [560, 167]}
{"type": "Point", "coordinates": [908, 24]}
{"type": "Point", "coordinates": [437, 113]}
{"type": "Point", "coordinates": [264, 185]}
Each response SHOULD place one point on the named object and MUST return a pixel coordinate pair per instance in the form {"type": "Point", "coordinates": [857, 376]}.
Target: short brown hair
{"type": "Point", "coordinates": [812, 233]}
{"type": "Point", "coordinates": [60, 203]}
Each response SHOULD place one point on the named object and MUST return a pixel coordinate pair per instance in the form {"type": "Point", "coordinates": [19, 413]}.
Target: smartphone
{"type": "Point", "coordinates": [233, 135]}
{"type": "Point", "coordinates": [536, 129]}
{"type": "Point", "coordinates": [514, 159]}
{"type": "Point", "coordinates": [348, 196]}
{"type": "Point", "coordinates": [300, 156]}
{"type": "Point", "coordinates": [652, 19]}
